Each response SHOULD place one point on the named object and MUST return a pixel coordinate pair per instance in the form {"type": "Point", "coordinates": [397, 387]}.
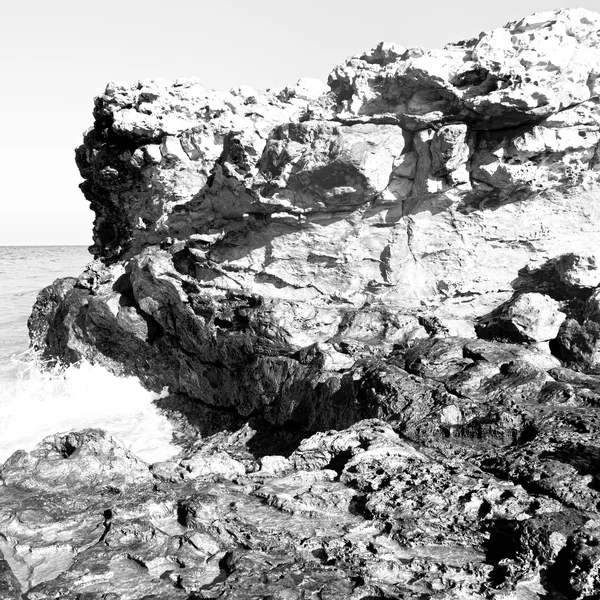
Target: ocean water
{"type": "Point", "coordinates": [36, 402]}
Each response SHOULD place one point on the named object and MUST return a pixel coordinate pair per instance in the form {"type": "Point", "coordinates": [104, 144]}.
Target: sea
{"type": "Point", "coordinates": [37, 401]}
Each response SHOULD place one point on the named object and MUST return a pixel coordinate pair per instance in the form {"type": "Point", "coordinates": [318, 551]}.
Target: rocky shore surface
{"type": "Point", "coordinates": [376, 307]}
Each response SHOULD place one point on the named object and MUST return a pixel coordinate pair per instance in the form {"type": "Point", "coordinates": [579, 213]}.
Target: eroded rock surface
{"type": "Point", "coordinates": [358, 513]}
{"type": "Point", "coordinates": [376, 308]}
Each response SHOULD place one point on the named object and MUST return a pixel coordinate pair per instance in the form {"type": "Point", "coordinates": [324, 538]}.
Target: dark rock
{"type": "Point", "coordinates": [9, 585]}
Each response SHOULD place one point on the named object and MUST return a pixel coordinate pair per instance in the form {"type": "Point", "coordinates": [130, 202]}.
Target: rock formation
{"type": "Point", "coordinates": [376, 309]}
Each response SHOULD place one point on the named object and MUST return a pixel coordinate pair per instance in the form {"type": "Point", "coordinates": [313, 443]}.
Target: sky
{"type": "Point", "coordinates": [56, 56]}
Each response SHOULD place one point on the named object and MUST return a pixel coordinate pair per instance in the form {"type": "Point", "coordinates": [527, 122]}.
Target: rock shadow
{"type": "Point", "coordinates": [502, 545]}
{"type": "Point", "coordinates": [584, 458]}
{"type": "Point", "coordinates": [194, 420]}
{"type": "Point", "coordinates": [545, 279]}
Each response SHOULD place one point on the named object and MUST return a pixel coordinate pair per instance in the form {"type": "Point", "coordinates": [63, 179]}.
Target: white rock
{"type": "Point", "coordinates": [579, 270]}
{"type": "Point", "coordinates": [171, 149]}
{"type": "Point", "coordinates": [451, 415]}
{"type": "Point", "coordinates": [214, 464]}
{"type": "Point", "coordinates": [274, 465]}
{"type": "Point", "coordinates": [536, 316]}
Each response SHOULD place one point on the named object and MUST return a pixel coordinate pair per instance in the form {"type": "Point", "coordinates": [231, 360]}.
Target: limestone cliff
{"type": "Point", "coordinates": [417, 243]}
{"type": "Point", "coordinates": [238, 230]}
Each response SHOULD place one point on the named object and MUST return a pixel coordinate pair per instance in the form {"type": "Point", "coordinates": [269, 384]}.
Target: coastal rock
{"type": "Point", "coordinates": [578, 344]}
{"type": "Point", "coordinates": [271, 222]}
{"type": "Point", "coordinates": [507, 77]}
{"type": "Point", "coordinates": [215, 464]}
{"type": "Point", "coordinates": [46, 317]}
{"type": "Point", "coordinates": [579, 270]}
{"type": "Point", "coordinates": [375, 308]}
{"type": "Point", "coordinates": [91, 457]}
{"type": "Point", "coordinates": [356, 512]}
{"type": "Point", "coordinates": [9, 585]}
{"type": "Point", "coordinates": [530, 317]}
{"type": "Point", "coordinates": [175, 135]}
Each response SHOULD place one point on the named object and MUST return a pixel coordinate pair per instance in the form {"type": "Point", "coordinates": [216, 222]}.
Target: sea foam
{"type": "Point", "coordinates": [37, 402]}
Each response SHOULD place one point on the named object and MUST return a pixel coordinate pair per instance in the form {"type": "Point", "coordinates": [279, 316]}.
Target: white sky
{"type": "Point", "coordinates": [56, 55]}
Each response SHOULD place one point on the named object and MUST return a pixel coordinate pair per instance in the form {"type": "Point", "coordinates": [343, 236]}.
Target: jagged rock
{"type": "Point", "coordinates": [91, 457]}
{"type": "Point", "coordinates": [507, 77]}
{"type": "Point", "coordinates": [308, 271]}
{"type": "Point", "coordinates": [9, 585]}
{"type": "Point", "coordinates": [274, 464]}
{"type": "Point", "coordinates": [584, 561]}
{"type": "Point", "coordinates": [170, 154]}
{"type": "Point", "coordinates": [283, 225]}
{"type": "Point", "coordinates": [44, 316]}
{"type": "Point", "coordinates": [215, 464]}
{"type": "Point", "coordinates": [578, 342]}
{"type": "Point", "coordinates": [529, 317]}
{"type": "Point", "coordinates": [497, 354]}
{"type": "Point", "coordinates": [579, 270]}
{"type": "Point", "coordinates": [333, 450]}
{"type": "Point", "coordinates": [326, 526]}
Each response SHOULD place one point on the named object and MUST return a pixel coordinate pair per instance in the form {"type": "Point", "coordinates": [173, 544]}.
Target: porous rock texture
{"type": "Point", "coordinates": [375, 306]}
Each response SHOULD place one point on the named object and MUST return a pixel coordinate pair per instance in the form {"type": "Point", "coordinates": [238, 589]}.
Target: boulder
{"type": "Point", "coordinates": [86, 458]}
{"type": "Point", "coordinates": [579, 270]}
{"type": "Point", "coordinates": [530, 317]}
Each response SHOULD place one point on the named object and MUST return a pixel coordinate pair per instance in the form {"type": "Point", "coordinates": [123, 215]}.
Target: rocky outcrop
{"type": "Point", "coordinates": [252, 242]}
{"type": "Point", "coordinates": [502, 508]}
{"type": "Point", "coordinates": [388, 288]}
{"type": "Point", "coordinates": [359, 513]}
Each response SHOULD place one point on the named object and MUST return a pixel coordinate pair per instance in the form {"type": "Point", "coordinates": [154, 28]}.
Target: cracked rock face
{"type": "Point", "coordinates": [236, 231]}
{"type": "Point", "coordinates": [375, 306]}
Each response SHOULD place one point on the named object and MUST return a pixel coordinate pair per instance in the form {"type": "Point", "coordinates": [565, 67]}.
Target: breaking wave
{"type": "Point", "coordinates": [36, 402]}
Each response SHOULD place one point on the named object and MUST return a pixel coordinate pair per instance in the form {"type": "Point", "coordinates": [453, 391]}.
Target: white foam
{"type": "Point", "coordinates": [35, 403]}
